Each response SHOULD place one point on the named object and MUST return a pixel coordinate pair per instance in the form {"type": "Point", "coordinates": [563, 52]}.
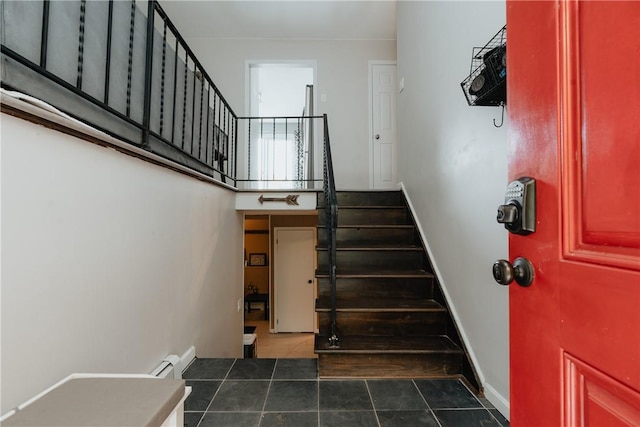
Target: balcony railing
{"type": "Point", "coordinates": [279, 152]}
{"type": "Point", "coordinates": [123, 68]}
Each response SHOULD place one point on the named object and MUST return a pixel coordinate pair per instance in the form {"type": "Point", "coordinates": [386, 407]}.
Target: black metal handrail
{"type": "Point", "coordinates": [145, 87]}
{"type": "Point", "coordinates": [331, 212]}
{"type": "Point", "coordinates": [279, 151]}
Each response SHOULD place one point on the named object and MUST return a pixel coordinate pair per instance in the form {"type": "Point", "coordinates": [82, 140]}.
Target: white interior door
{"type": "Point", "coordinates": [384, 169]}
{"type": "Point", "coordinates": [294, 281]}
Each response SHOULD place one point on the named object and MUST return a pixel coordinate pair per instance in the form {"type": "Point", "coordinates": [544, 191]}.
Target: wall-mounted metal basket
{"type": "Point", "coordinates": [487, 81]}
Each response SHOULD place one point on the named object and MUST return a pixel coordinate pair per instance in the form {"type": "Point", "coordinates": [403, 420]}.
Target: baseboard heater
{"type": "Point", "coordinates": [169, 368]}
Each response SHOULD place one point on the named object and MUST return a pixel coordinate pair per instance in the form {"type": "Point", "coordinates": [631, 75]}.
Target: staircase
{"type": "Point", "coordinates": [392, 320]}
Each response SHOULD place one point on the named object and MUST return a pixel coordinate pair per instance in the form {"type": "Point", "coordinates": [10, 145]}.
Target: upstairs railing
{"type": "Point", "coordinates": [127, 71]}
{"type": "Point", "coordinates": [279, 153]}
{"type": "Point", "coordinates": [124, 68]}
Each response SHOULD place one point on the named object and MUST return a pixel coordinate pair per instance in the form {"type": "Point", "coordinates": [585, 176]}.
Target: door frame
{"type": "Point", "coordinates": [274, 310]}
{"type": "Point", "coordinates": [370, 90]}
{"type": "Point", "coordinates": [248, 102]}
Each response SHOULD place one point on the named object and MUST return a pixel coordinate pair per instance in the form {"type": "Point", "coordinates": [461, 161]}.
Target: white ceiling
{"type": "Point", "coordinates": [301, 19]}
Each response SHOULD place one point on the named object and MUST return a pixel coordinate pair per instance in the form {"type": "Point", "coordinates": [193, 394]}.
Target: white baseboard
{"type": "Point", "coordinates": [443, 287]}
{"type": "Point", "coordinates": [187, 358]}
{"type": "Point", "coordinates": [497, 400]}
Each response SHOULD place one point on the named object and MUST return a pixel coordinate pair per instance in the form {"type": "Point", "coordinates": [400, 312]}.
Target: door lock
{"type": "Point", "coordinates": [518, 214]}
{"type": "Point", "coordinates": [521, 271]}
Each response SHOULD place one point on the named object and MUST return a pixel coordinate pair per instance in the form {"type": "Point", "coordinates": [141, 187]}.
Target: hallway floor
{"type": "Point", "coordinates": [285, 345]}
{"type": "Point", "coordinates": [288, 392]}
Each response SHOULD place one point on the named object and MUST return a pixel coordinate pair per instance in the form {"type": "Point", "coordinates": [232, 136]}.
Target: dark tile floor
{"type": "Point", "coordinates": [287, 392]}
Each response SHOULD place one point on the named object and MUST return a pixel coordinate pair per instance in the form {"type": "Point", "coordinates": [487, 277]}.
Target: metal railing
{"type": "Point", "coordinates": [125, 70]}
{"type": "Point", "coordinates": [331, 212]}
{"type": "Point", "coordinates": [279, 153]}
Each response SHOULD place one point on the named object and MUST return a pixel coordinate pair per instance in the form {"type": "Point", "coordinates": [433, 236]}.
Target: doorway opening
{"type": "Point", "coordinates": [268, 287]}
{"type": "Point", "coordinates": [280, 151]}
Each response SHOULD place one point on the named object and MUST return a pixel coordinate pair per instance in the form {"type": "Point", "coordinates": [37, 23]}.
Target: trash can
{"type": "Point", "coordinates": [250, 342]}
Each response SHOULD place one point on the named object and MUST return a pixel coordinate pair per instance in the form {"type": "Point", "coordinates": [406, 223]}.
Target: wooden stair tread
{"type": "Point", "coordinates": [370, 207]}
{"type": "Point", "coordinates": [374, 226]}
{"type": "Point", "coordinates": [370, 247]}
{"type": "Point", "coordinates": [388, 345]}
{"type": "Point", "coordinates": [380, 305]}
{"type": "Point", "coordinates": [371, 273]}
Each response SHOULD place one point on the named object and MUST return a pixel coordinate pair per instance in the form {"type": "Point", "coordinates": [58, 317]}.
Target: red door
{"type": "Point", "coordinates": [574, 126]}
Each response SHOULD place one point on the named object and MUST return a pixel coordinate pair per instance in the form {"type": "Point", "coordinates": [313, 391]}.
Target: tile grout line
{"type": "Point", "coordinates": [433, 414]}
{"type": "Point", "coordinates": [472, 393]}
{"type": "Point", "coordinates": [218, 390]}
{"type": "Point", "coordinates": [373, 404]}
{"type": "Point", "coordinates": [216, 393]}
{"type": "Point", "coordinates": [318, 392]}
{"type": "Point", "coordinates": [266, 397]}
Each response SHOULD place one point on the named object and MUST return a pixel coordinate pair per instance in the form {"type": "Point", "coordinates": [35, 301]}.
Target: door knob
{"type": "Point", "coordinates": [521, 271]}
{"type": "Point", "coordinates": [377, 136]}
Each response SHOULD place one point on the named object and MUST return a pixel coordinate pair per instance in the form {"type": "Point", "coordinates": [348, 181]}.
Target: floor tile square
{"type": "Point", "coordinates": [406, 418]}
{"type": "Point", "coordinates": [293, 419]}
{"type": "Point", "coordinates": [465, 418]}
{"type": "Point", "coordinates": [230, 419]}
{"type": "Point", "coordinates": [292, 396]}
{"type": "Point", "coordinates": [499, 417]}
{"type": "Point", "coordinates": [486, 403]}
{"type": "Point", "coordinates": [235, 396]}
{"type": "Point", "coordinates": [296, 369]}
{"type": "Point", "coordinates": [201, 394]}
{"type": "Point", "coordinates": [395, 395]}
{"type": "Point", "coordinates": [209, 369]}
{"type": "Point", "coordinates": [252, 369]}
{"type": "Point", "coordinates": [447, 394]}
{"type": "Point", "coordinates": [191, 419]}
{"type": "Point", "coordinates": [344, 395]}
{"type": "Point", "coordinates": [348, 419]}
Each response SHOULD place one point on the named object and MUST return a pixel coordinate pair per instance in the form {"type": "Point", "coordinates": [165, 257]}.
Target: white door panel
{"type": "Point", "coordinates": [294, 281]}
{"type": "Point", "coordinates": [383, 126]}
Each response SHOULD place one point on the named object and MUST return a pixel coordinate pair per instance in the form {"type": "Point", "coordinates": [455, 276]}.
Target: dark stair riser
{"type": "Point", "coordinates": [392, 320]}
{"type": "Point", "coordinates": [389, 365]}
{"type": "Point", "coordinates": [358, 236]}
{"type": "Point", "coordinates": [374, 259]}
{"type": "Point", "coordinates": [389, 324]}
{"type": "Point", "coordinates": [370, 216]}
{"type": "Point", "coordinates": [378, 288]}
{"type": "Point", "coordinates": [366, 198]}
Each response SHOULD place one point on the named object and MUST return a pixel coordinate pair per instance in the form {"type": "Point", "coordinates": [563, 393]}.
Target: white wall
{"type": "Point", "coordinates": [342, 75]}
{"type": "Point", "coordinates": [282, 89]}
{"type": "Point", "coordinates": [109, 263]}
{"type": "Point", "coordinates": [453, 163]}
